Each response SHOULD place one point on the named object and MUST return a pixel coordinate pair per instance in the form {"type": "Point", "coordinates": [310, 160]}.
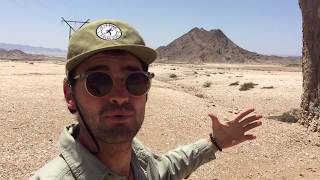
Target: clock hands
{"type": "Point", "coordinates": [109, 31]}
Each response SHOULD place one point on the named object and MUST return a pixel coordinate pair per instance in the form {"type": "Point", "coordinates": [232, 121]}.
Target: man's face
{"type": "Point", "coordinates": [117, 116]}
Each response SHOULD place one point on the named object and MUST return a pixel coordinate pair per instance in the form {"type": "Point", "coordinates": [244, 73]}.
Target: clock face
{"type": "Point", "coordinates": [109, 32]}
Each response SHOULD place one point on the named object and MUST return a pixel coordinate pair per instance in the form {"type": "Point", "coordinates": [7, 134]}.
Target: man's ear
{"type": "Point", "coordinates": [67, 90]}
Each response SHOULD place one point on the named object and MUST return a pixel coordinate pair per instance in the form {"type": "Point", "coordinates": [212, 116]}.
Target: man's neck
{"type": "Point", "coordinates": [116, 157]}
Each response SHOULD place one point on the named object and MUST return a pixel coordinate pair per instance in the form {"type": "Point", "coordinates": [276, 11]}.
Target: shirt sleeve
{"type": "Point", "coordinates": [181, 162]}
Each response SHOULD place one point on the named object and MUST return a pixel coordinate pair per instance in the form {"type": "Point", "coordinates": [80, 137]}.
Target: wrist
{"type": "Point", "coordinates": [214, 142]}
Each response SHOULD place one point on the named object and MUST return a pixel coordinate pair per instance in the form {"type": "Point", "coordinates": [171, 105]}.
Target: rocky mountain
{"type": "Point", "coordinates": [16, 54]}
{"type": "Point", "coordinates": [34, 50]}
{"type": "Point", "coordinates": [200, 45]}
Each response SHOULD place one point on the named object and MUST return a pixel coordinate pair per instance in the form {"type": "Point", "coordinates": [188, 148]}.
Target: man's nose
{"type": "Point", "coordinates": [119, 93]}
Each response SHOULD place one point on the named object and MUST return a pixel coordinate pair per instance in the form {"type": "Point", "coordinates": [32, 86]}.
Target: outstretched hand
{"type": "Point", "coordinates": [233, 132]}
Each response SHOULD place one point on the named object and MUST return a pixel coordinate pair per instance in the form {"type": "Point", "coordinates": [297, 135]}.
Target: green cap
{"type": "Point", "coordinates": [106, 34]}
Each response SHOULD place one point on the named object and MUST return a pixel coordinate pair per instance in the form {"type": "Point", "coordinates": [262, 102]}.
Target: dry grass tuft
{"type": "Point", "coordinates": [234, 83]}
{"type": "Point", "coordinates": [173, 76]}
{"type": "Point", "coordinates": [199, 95]}
{"type": "Point", "coordinates": [247, 86]}
{"type": "Point", "coordinates": [207, 84]}
{"type": "Point", "coordinates": [267, 87]}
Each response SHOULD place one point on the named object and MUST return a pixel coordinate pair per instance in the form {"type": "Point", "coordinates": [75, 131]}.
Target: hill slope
{"type": "Point", "coordinates": [200, 45]}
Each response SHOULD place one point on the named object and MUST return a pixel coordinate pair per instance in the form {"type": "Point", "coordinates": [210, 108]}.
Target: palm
{"type": "Point", "coordinates": [233, 132]}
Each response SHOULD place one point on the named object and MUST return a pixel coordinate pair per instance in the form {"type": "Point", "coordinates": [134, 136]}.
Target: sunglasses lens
{"type": "Point", "coordinates": [138, 84]}
{"type": "Point", "coordinates": [99, 84]}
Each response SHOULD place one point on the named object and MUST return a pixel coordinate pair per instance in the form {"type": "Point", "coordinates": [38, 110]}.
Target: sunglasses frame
{"type": "Point", "coordinates": [85, 75]}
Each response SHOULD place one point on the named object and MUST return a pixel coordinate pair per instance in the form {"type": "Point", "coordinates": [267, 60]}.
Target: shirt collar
{"type": "Point", "coordinates": [82, 163]}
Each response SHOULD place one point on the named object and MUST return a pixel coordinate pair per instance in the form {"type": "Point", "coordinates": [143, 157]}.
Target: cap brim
{"type": "Point", "coordinates": [145, 54]}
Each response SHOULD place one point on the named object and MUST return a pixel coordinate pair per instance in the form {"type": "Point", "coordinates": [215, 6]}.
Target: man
{"type": "Point", "coordinates": [107, 89]}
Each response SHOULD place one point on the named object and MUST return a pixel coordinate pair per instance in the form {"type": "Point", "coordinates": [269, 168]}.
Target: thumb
{"type": "Point", "coordinates": [215, 120]}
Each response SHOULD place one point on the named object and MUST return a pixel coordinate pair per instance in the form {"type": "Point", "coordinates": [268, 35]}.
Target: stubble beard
{"type": "Point", "coordinates": [117, 133]}
{"type": "Point", "coordinates": [113, 133]}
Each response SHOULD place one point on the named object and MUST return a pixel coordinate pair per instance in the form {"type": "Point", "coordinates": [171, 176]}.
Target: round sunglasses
{"type": "Point", "coordinates": [99, 84]}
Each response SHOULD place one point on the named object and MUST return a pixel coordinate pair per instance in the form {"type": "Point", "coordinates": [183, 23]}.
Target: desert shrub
{"type": "Point", "coordinates": [172, 75]}
{"type": "Point", "coordinates": [247, 86]}
{"type": "Point", "coordinates": [234, 83]}
{"type": "Point", "coordinates": [207, 84]}
{"type": "Point", "coordinates": [267, 87]}
{"type": "Point", "coordinates": [199, 95]}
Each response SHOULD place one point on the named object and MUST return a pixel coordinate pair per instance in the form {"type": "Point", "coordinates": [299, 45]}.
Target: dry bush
{"type": "Point", "coordinates": [199, 95]}
{"type": "Point", "coordinates": [234, 83]}
{"type": "Point", "coordinates": [207, 84]}
{"type": "Point", "coordinates": [172, 75]}
{"type": "Point", "coordinates": [267, 87]}
{"type": "Point", "coordinates": [247, 86]}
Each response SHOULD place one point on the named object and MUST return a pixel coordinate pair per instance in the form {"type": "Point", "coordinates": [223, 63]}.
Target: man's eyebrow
{"type": "Point", "coordinates": [131, 68]}
{"type": "Point", "coordinates": [98, 67]}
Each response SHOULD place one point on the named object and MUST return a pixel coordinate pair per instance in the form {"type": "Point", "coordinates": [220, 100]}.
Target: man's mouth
{"type": "Point", "coordinates": [119, 115]}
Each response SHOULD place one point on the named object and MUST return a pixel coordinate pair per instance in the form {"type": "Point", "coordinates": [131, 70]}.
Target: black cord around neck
{"type": "Point", "coordinates": [87, 127]}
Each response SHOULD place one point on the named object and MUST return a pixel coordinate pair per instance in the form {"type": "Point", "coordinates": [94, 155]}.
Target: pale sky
{"type": "Point", "coordinates": [263, 26]}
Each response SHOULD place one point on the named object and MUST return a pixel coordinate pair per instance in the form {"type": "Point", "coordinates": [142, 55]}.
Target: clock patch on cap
{"type": "Point", "coordinates": [109, 32]}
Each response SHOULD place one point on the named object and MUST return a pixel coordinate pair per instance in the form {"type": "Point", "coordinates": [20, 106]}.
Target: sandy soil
{"type": "Point", "coordinates": [33, 113]}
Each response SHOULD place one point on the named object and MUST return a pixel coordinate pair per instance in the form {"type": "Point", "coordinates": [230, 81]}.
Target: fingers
{"type": "Point", "coordinates": [250, 119]}
{"type": "Point", "coordinates": [250, 137]}
{"type": "Point", "coordinates": [252, 125]}
{"type": "Point", "coordinates": [212, 116]}
{"type": "Point", "coordinates": [214, 119]}
{"type": "Point", "coordinates": [244, 113]}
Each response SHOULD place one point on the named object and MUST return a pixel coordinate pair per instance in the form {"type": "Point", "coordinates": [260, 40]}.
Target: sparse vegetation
{"type": "Point", "coordinates": [173, 76]}
{"type": "Point", "coordinates": [247, 86]}
{"type": "Point", "coordinates": [267, 87]}
{"type": "Point", "coordinates": [234, 83]}
{"type": "Point", "coordinates": [207, 84]}
{"type": "Point", "coordinates": [199, 95]}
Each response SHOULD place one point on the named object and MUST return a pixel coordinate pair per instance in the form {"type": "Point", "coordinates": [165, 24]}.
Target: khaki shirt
{"type": "Point", "coordinates": [76, 162]}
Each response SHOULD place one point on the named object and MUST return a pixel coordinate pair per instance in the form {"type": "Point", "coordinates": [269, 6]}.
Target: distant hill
{"type": "Point", "coordinates": [18, 55]}
{"type": "Point", "coordinates": [200, 45]}
{"type": "Point", "coordinates": [34, 50]}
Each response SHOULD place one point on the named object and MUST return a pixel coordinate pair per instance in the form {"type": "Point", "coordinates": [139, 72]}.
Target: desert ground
{"type": "Point", "coordinates": [33, 114]}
